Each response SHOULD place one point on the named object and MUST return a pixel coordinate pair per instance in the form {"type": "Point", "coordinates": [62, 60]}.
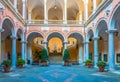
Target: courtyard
{"type": "Point", "coordinates": [59, 73]}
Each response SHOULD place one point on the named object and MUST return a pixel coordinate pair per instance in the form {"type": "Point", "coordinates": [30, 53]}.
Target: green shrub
{"type": "Point", "coordinates": [6, 63]}
{"type": "Point", "coordinates": [101, 64]}
{"type": "Point", "coordinates": [20, 61]}
{"type": "Point", "coordinates": [44, 55]}
{"type": "Point", "coordinates": [66, 56]}
{"type": "Point", "coordinates": [88, 61]}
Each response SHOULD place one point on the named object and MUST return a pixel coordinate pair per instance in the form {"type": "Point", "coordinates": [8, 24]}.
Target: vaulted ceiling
{"type": "Point", "coordinates": [55, 8]}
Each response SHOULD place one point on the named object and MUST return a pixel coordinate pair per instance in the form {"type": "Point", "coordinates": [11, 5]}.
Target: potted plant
{"type": "Point", "coordinates": [89, 63]}
{"type": "Point", "coordinates": [101, 65]}
{"type": "Point", "coordinates": [66, 57]}
{"type": "Point", "coordinates": [6, 64]}
{"type": "Point", "coordinates": [44, 57]}
{"type": "Point", "coordinates": [20, 62]}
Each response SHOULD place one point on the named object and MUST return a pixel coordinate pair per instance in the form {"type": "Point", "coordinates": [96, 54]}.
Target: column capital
{"type": "Point", "coordinates": [96, 38]}
{"type": "Point", "coordinates": [66, 42]}
{"type": "Point", "coordinates": [24, 42]}
{"type": "Point", "coordinates": [86, 42]}
{"type": "Point", "coordinates": [44, 42]}
{"type": "Point", "coordinates": [13, 37]}
{"type": "Point", "coordinates": [1, 30]}
{"type": "Point", "coordinates": [112, 30]}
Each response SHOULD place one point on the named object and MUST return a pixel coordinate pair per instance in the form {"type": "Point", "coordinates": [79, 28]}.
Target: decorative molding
{"type": "Point", "coordinates": [103, 5]}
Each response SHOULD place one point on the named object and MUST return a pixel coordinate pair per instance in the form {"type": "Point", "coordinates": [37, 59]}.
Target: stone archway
{"type": "Point", "coordinates": [75, 47]}
{"type": "Point", "coordinates": [101, 42]}
{"type": "Point", "coordinates": [34, 47]}
{"type": "Point", "coordinates": [8, 42]}
{"type": "Point", "coordinates": [55, 47]}
{"type": "Point", "coordinates": [103, 39]}
{"type": "Point", "coordinates": [90, 36]}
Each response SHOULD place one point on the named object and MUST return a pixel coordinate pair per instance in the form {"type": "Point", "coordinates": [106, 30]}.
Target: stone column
{"type": "Point", "coordinates": [29, 17]}
{"type": "Point", "coordinates": [65, 44]}
{"type": "Point", "coordinates": [65, 12]}
{"type": "Point", "coordinates": [29, 53]}
{"type": "Point", "coordinates": [95, 51]}
{"type": "Point", "coordinates": [45, 45]}
{"type": "Point", "coordinates": [80, 54]}
{"type": "Point", "coordinates": [80, 18]}
{"type": "Point", "coordinates": [1, 30]}
{"type": "Point", "coordinates": [86, 10]}
{"type": "Point", "coordinates": [25, 51]}
{"type": "Point", "coordinates": [14, 51]}
{"type": "Point", "coordinates": [45, 12]}
{"type": "Point", "coordinates": [94, 6]}
{"type": "Point", "coordinates": [15, 4]}
{"type": "Point", "coordinates": [111, 50]}
{"type": "Point", "coordinates": [86, 50]}
{"type": "Point", "coordinates": [24, 9]}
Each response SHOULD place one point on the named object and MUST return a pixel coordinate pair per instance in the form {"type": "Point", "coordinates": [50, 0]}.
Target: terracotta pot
{"type": "Point", "coordinates": [7, 69]}
{"type": "Point", "coordinates": [101, 69]}
{"type": "Point", "coordinates": [20, 65]}
{"type": "Point", "coordinates": [89, 65]}
{"type": "Point", "coordinates": [44, 63]}
{"type": "Point", "coordinates": [66, 63]}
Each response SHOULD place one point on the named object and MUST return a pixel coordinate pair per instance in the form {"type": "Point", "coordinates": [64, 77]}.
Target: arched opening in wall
{"type": "Point", "coordinates": [115, 24]}
{"type": "Point", "coordinates": [102, 41]}
{"type": "Point", "coordinates": [72, 10]}
{"type": "Point", "coordinates": [6, 43]}
{"type": "Point", "coordinates": [55, 11]}
{"type": "Point", "coordinates": [19, 44]}
{"type": "Point", "coordinates": [55, 47]}
{"type": "Point", "coordinates": [90, 36]}
{"type": "Point", "coordinates": [75, 48]}
{"type": "Point", "coordinates": [34, 47]}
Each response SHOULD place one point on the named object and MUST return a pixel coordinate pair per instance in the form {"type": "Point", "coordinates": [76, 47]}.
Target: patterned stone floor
{"type": "Point", "coordinates": [59, 73]}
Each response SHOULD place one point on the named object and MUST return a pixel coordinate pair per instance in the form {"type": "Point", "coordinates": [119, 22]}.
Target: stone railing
{"type": "Point", "coordinates": [56, 22]}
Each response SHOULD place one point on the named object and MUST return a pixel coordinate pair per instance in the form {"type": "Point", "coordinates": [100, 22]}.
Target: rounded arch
{"type": "Point", "coordinates": [55, 34]}
{"type": "Point", "coordinates": [30, 36]}
{"type": "Point", "coordinates": [11, 22]}
{"type": "Point", "coordinates": [100, 26]}
{"type": "Point", "coordinates": [79, 33]}
{"type": "Point", "coordinates": [20, 33]}
{"type": "Point", "coordinates": [76, 35]}
{"type": "Point", "coordinates": [90, 34]}
{"type": "Point", "coordinates": [114, 17]}
{"type": "Point", "coordinates": [8, 26]}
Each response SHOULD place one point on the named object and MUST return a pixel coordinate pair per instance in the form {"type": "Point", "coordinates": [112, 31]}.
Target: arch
{"type": "Point", "coordinates": [55, 34]}
{"type": "Point", "coordinates": [20, 33]}
{"type": "Point", "coordinates": [76, 35]}
{"type": "Point", "coordinates": [101, 25]}
{"type": "Point", "coordinates": [9, 22]}
{"type": "Point", "coordinates": [114, 17]}
{"type": "Point", "coordinates": [35, 34]}
{"type": "Point", "coordinates": [90, 34]}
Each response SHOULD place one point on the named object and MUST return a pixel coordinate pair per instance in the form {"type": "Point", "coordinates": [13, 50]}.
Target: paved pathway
{"type": "Point", "coordinates": [58, 73]}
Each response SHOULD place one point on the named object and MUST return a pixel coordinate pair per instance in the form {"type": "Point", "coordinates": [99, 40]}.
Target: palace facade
{"type": "Point", "coordinates": [89, 29]}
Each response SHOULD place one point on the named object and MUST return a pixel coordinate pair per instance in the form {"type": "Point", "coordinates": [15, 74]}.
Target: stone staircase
{"type": "Point", "coordinates": [55, 59]}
